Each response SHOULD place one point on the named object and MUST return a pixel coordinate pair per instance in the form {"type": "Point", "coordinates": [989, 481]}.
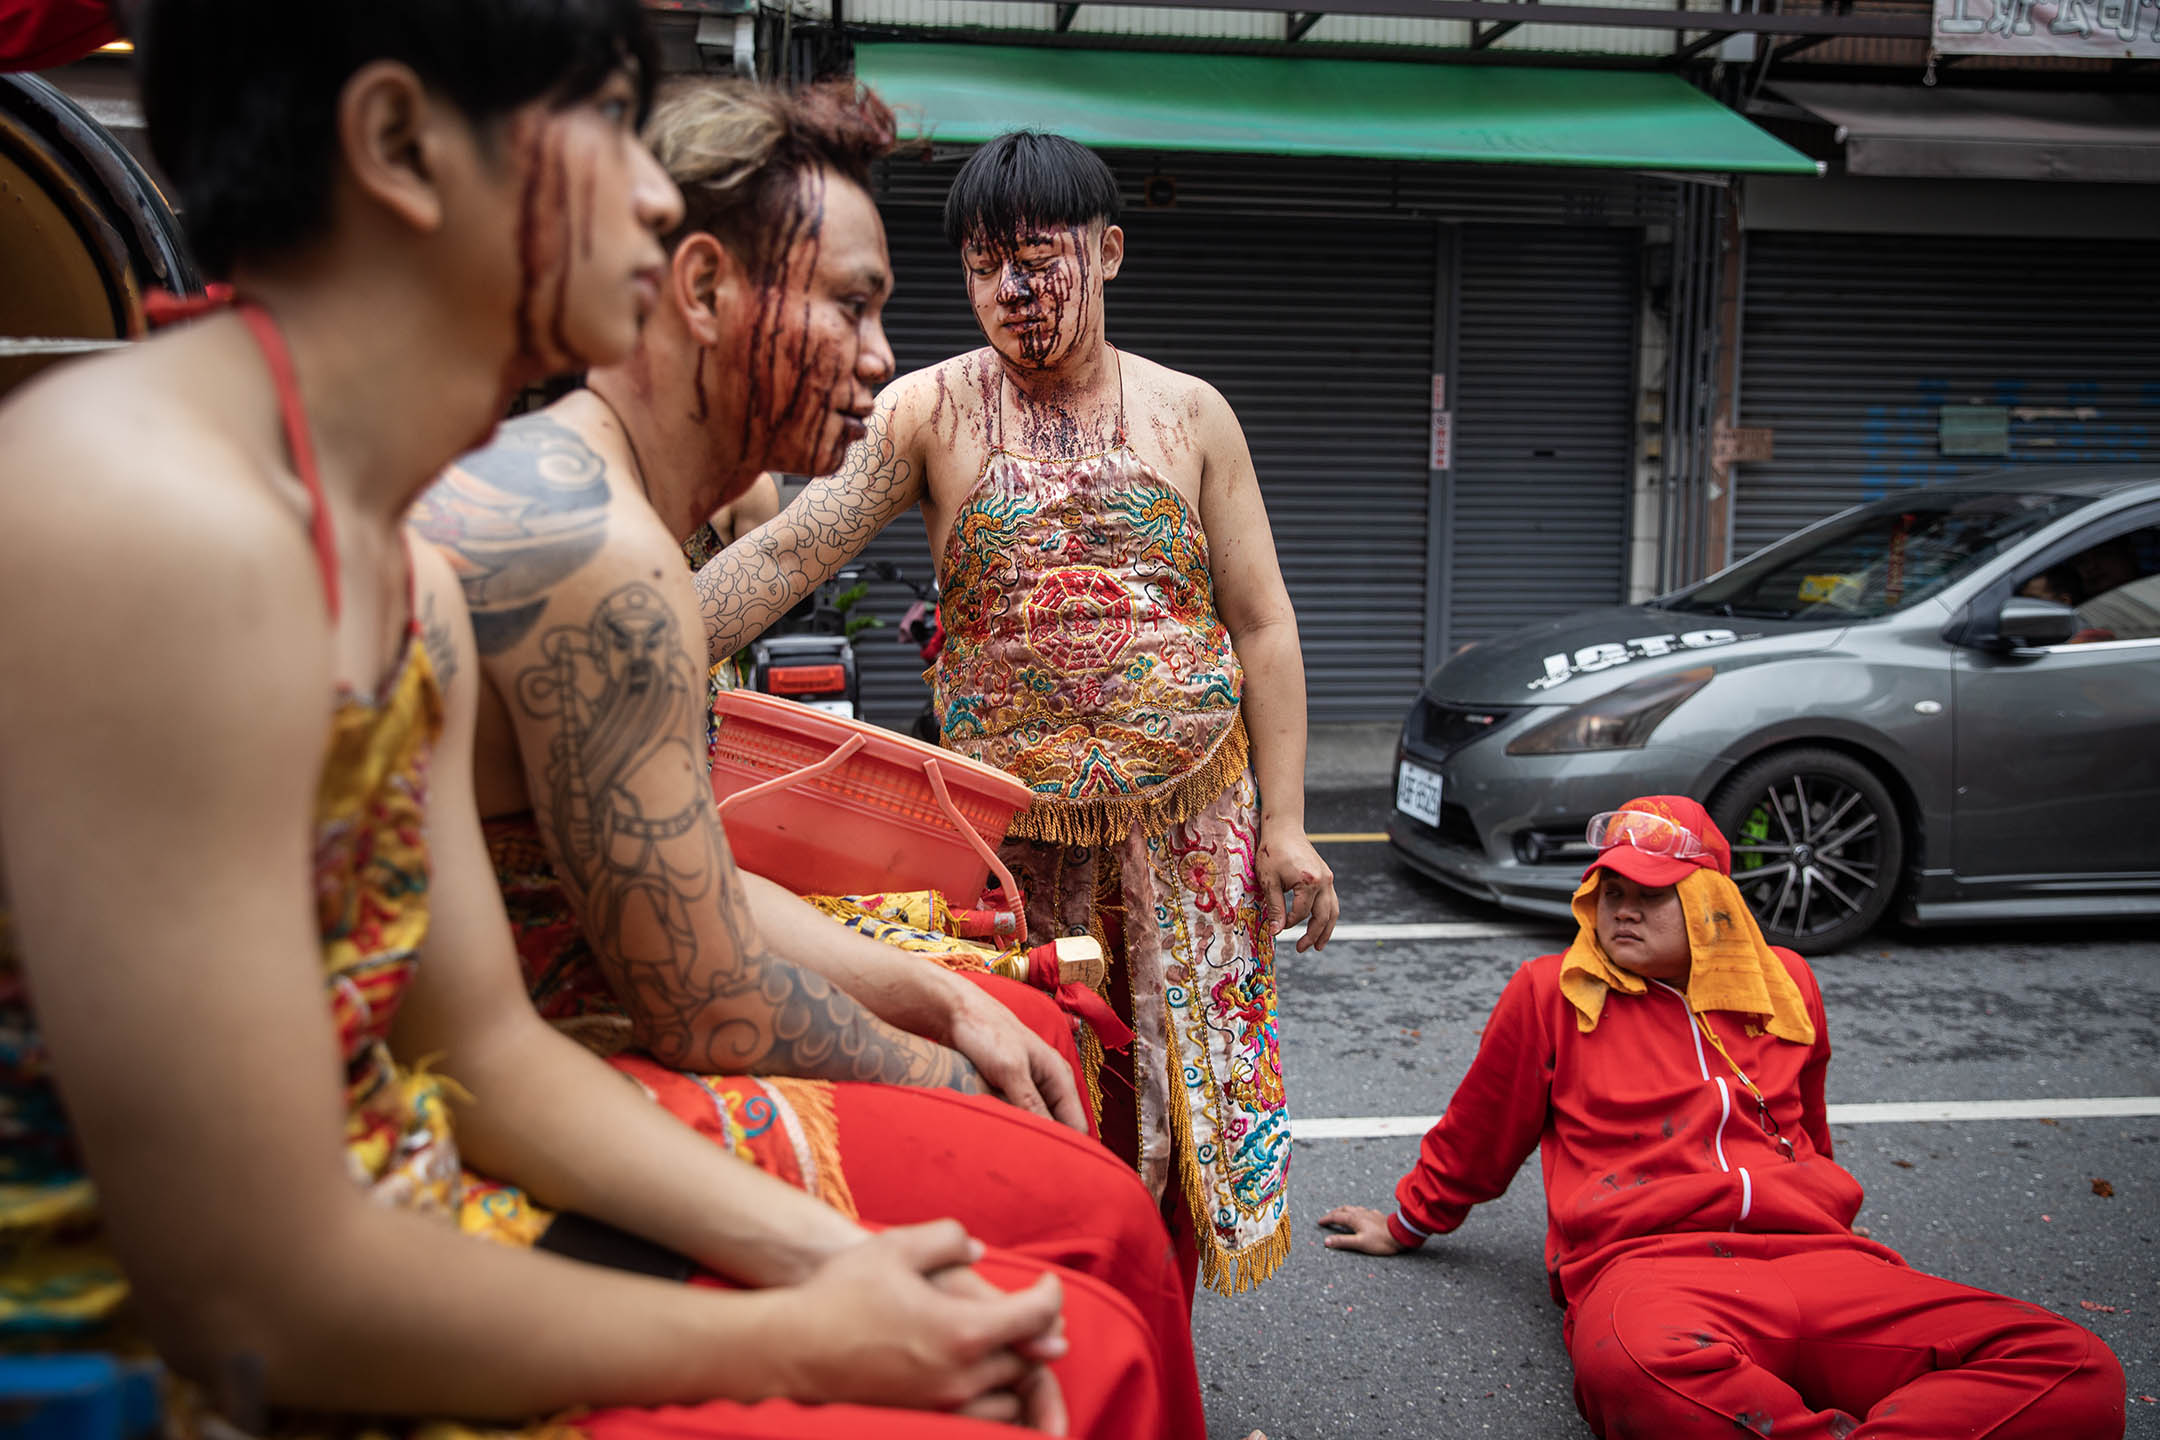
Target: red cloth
{"type": "Point", "coordinates": [1111, 1381]}
{"type": "Point", "coordinates": [1076, 999]}
{"type": "Point", "coordinates": [1042, 1014]}
{"type": "Point", "coordinates": [1016, 1182]}
{"type": "Point", "coordinates": [39, 34]}
{"type": "Point", "coordinates": [1644, 1129]}
{"type": "Point", "coordinates": [1827, 1342]}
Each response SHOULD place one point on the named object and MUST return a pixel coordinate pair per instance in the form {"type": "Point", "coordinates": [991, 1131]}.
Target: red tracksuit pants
{"type": "Point", "coordinates": [1112, 1388]}
{"type": "Point", "coordinates": [1806, 1341]}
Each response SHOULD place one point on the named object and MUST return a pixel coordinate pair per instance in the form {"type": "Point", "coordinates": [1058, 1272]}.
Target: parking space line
{"type": "Point", "coordinates": [1889, 1112]}
{"type": "Point", "coordinates": [1348, 837]}
{"type": "Point", "coordinates": [1432, 930]}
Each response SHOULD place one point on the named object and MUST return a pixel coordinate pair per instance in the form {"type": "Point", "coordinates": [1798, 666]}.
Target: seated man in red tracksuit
{"type": "Point", "coordinates": [1670, 1066]}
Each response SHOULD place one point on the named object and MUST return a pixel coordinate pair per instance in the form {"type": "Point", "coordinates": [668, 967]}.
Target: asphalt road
{"type": "Point", "coordinates": [1461, 1339]}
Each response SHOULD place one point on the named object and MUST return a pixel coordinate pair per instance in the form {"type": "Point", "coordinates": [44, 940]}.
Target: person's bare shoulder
{"type": "Point", "coordinates": [1185, 417]}
{"type": "Point", "coordinates": [131, 479]}
{"type": "Point", "coordinates": [160, 604]}
{"type": "Point", "coordinates": [945, 401]}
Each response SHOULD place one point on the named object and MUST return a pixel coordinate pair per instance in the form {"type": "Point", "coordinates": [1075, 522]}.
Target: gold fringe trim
{"type": "Point", "coordinates": [1091, 1063]}
{"type": "Point", "coordinates": [812, 1102]}
{"type": "Point", "coordinates": [1107, 819]}
{"type": "Point", "coordinates": [1226, 1271]}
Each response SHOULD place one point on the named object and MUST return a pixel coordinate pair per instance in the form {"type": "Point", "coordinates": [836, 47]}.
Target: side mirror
{"type": "Point", "coordinates": [2026, 623]}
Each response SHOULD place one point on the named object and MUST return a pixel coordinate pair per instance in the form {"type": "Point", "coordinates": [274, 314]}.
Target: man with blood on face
{"type": "Point", "coordinates": [1119, 637]}
{"type": "Point", "coordinates": [271, 969]}
{"type": "Point", "coordinates": [637, 930]}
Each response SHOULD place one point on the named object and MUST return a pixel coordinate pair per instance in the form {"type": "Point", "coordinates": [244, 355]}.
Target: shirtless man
{"type": "Point", "coordinates": [1120, 638]}
{"type": "Point", "coordinates": [245, 884]}
{"type": "Point", "coordinates": [568, 533]}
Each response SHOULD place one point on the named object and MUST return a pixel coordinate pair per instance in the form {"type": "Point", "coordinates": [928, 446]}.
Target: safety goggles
{"type": "Point", "coordinates": [1651, 834]}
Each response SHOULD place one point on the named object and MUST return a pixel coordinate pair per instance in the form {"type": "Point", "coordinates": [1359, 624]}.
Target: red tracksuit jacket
{"type": "Point", "coordinates": [1644, 1128]}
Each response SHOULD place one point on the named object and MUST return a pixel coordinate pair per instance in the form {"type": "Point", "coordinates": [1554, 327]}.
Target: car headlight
{"type": "Point", "coordinates": [1619, 720]}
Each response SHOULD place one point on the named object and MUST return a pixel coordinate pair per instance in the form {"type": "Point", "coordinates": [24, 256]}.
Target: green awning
{"type": "Point", "coordinates": [1257, 104]}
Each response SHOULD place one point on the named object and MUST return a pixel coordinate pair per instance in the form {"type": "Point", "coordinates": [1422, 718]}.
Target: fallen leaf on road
{"type": "Point", "coordinates": [2104, 1190]}
{"type": "Point", "coordinates": [1902, 1164]}
{"type": "Point", "coordinates": [1862, 1231]}
{"type": "Point", "coordinates": [2045, 1121]}
{"type": "Point", "coordinates": [2149, 1399]}
{"type": "Point", "coordinates": [2096, 1305]}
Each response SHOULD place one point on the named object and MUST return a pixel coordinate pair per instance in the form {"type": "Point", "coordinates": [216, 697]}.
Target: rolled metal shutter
{"type": "Point", "coordinates": [1544, 447]}
{"type": "Point", "coordinates": [1318, 331]}
{"type": "Point", "coordinates": [1853, 343]}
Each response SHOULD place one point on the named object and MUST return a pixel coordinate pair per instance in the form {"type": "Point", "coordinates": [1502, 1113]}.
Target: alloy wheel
{"type": "Point", "coordinates": [1807, 856]}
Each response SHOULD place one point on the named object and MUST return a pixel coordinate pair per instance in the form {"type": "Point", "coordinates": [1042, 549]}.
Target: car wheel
{"type": "Point", "coordinates": [1817, 846]}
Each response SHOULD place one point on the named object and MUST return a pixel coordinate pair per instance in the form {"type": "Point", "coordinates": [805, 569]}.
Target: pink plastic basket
{"type": "Point", "coordinates": [831, 806]}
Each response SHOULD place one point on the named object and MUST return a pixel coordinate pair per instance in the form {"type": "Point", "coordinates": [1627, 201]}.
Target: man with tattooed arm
{"type": "Point", "coordinates": [1110, 587]}
{"type": "Point", "coordinates": [637, 930]}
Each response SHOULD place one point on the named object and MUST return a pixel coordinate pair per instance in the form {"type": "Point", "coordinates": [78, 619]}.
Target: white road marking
{"type": "Point", "coordinates": [1432, 930]}
{"type": "Point", "coordinates": [1889, 1112]}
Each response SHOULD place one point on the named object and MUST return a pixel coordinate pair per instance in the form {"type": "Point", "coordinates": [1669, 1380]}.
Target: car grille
{"type": "Point", "coordinates": [1448, 728]}
{"type": "Point", "coordinates": [1457, 828]}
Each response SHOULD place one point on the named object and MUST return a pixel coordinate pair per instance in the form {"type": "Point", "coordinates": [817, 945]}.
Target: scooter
{"type": "Point", "coordinates": [811, 659]}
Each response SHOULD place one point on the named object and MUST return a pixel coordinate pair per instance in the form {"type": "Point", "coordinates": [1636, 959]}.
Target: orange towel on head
{"type": "Point", "coordinates": [1730, 966]}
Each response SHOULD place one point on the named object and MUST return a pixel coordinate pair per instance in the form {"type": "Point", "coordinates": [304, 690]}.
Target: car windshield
{"type": "Point", "coordinates": [1876, 560]}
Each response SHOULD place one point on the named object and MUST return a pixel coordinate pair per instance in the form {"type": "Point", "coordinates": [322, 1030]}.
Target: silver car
{"type": "Point", "coordinates": [1947, 700]}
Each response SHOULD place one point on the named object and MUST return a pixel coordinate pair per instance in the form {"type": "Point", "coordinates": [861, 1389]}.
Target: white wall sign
{"type": "Point", "coordinates": [2087, 29]}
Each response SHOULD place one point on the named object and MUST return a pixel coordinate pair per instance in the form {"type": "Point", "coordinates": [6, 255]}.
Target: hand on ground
{"type": "Point", "coordinates": [1359, 1229]}
{"type": "Point", "coordinates": [1014, 1061]}
{"type": "Point", "coordinates": [899, 1321]}
{"type": "Point", "coordinates": [1288, 863]}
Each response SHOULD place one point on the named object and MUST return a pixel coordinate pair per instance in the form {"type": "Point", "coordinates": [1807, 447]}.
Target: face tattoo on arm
{"type": "Point", "coordinates": [609, 707]}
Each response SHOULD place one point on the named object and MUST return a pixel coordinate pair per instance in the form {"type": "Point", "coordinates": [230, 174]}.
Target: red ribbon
{"type": "Point", "coordinates": [1076, 999]}
{"type": "Point", "coordinates": [162, 307]}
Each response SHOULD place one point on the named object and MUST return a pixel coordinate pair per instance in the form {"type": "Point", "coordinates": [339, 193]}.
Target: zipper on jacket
{"type": "Point", "coordinates": [1702, 1065]}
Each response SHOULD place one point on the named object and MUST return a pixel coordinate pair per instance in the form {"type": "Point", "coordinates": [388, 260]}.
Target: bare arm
{"type": "Point", "coordinates": [548, 1116]}
{"type": "Point", "coordinates": [595, 668]}
{"type": "Point", "coordinates": [160, 877]}
{"type": "Point", "coordinates": [923, 999]}
{"type": "Point", "coordinates": [1255, 609]}
{"type": "Point", "coordinates": [759, 578]}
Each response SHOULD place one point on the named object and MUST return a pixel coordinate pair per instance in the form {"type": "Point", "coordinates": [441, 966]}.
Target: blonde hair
{"type": "Point", "coordinates": [737, 150]}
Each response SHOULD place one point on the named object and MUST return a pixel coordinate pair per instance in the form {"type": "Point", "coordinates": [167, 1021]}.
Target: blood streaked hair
{"type": "Point", "coordinates": [738, 151]}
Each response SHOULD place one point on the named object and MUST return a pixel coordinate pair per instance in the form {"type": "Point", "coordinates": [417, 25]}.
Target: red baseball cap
{"type": "Point", "coordinates": [1645, 858]}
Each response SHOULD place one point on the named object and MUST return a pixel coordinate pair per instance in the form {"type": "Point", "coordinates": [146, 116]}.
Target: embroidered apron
{"type": "Point", "coordinates": [1083, 655]}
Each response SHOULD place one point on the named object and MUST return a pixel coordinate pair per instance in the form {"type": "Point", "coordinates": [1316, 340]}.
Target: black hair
{"type": "Point", "coordinates": [241, 95]}
{"type": "Point", "coordinates": [1025, 177]}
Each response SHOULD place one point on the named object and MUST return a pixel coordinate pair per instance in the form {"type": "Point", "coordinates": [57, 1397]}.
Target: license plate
{"type": "Point", "coordinates": [1417, 793]}
{"type": "Point", "coordinates": [833, 707]}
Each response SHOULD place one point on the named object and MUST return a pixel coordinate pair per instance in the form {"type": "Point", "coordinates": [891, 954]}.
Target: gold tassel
{"type": "Point", "coordinates": [1091, 1063]}
{"type": "Point", "coordinates": [812, 1102]}
{"type": "Point", "coordinates": [1107, 819]}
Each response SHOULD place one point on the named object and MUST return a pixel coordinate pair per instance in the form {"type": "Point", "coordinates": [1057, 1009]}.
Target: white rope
{"type": "Point", "coordinates": [14, 347]}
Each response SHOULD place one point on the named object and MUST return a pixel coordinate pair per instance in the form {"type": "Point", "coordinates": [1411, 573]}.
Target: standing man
{"type": "Point", "coordinates": [1110, 585]}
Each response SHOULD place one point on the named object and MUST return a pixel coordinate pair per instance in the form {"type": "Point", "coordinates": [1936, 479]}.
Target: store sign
{"type": "Point", "coordinates": [2085, 29]}
{"type": "Point", "coordinates": [1443, 427]}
